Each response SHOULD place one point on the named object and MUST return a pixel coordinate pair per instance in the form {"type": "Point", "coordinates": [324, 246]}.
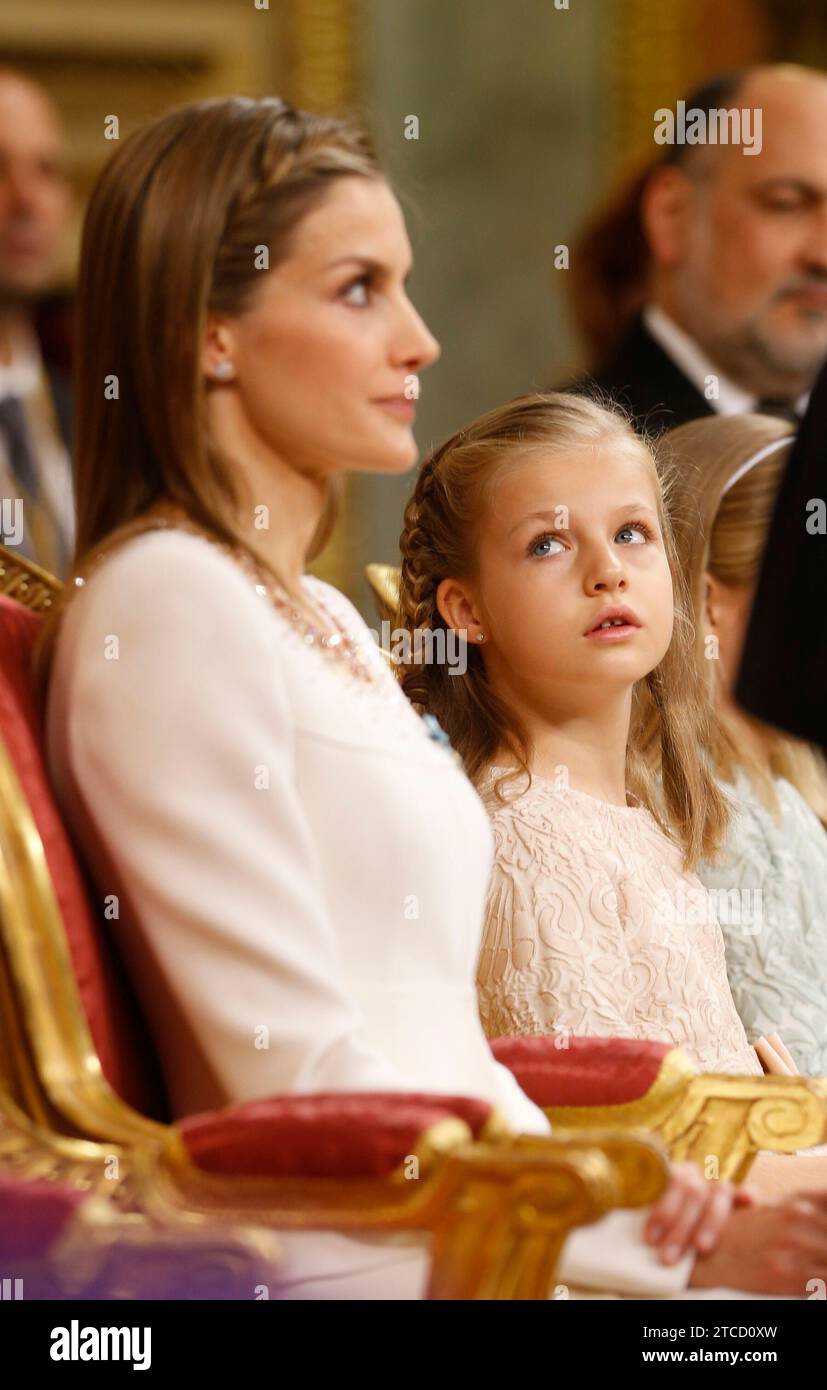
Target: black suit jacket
{"type": "Point", "coordinates": [641, 377]}
{"type": "Point", "coordinates": [783, 676]}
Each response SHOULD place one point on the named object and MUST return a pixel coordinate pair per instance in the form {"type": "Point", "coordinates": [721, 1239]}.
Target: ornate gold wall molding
{"type": "Point", "coordinates": [323, 70]}
{"type": "Point", "coordinates": [655, 53]}
{"type": "Point", "coordinates": [135, 59]}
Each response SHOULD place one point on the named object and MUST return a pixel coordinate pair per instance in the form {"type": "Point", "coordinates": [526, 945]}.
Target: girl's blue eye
{"type": "Point", "coordinates": [545, 540]}
{"type": "Point", "coordinates": [642, 530]}
{"type": "Point", "coordinates": [539, 548]}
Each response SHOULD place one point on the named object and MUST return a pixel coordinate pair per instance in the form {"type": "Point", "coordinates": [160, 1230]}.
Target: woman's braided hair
{"type": "Point", "coordinates": [671, 709]}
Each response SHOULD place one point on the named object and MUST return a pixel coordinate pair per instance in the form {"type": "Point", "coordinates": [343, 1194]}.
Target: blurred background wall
{"type": "Point", "coordinates": [528, 112]}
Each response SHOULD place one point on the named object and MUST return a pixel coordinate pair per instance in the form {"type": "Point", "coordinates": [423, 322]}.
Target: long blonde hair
{"type": "Point", "coordinates": [724, 534]}
{"type": "Point", "coordinates": [173, 231]}
{"type": "Point", "coordinates": [671, 708]}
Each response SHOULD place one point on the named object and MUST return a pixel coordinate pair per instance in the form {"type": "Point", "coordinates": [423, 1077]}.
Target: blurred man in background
{"type": "Point", "coordinates": [733, 284]}
{"type": "Point", "coordinates": [37, 513]}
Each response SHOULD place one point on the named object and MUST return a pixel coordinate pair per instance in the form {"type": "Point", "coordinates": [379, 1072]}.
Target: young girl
{"type": "Point", "coordinates": [770, 884]}
{"type": "Point", "coordinates": [541, 532]}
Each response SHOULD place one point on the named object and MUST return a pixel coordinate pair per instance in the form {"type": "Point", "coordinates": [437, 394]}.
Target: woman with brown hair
{"type": "Point", "coordinates": [769, 882]}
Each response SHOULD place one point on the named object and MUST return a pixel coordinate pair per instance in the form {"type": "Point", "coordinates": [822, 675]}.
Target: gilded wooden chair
{"type": "Point", "coordinates": [720, 1122]}
{"type": "Point", "coordinates": [81, 1098]}
{"type": "Point", "coordinates": [27, 582]}
{"type": "Point", "coordinates": [59, 1239]}
{"type": "Point", "coordinates": [384, 581]}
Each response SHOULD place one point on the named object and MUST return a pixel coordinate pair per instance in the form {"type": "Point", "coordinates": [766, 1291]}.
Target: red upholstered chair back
{"type": "Point", "coordinates": [118, 1030]}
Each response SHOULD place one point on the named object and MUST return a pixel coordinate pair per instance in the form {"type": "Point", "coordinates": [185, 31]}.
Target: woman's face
{"type": "Point", "coordinates": [565, 538]}
{"type": "Point", "coordinates": [326, 357]}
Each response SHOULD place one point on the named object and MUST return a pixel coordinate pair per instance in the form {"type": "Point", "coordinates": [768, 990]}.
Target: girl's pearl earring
{"type": "Point", "coordinates": [480, 636]}
{"type": "Point", "coordinates": [222, 371]}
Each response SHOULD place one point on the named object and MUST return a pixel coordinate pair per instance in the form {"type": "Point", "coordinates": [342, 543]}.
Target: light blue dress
{"type": "Point", "coordinates": [770, 894]}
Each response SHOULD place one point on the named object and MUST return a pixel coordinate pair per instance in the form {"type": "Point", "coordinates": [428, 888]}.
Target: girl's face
{"type": "Point", "coordinates": [325, 356]}
{"type": "Point", "coordinates": [565, 539]}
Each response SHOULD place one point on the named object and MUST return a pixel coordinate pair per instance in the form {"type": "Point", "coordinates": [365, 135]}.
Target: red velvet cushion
{"type": "Point", "coordinates": [121, 1039]}
{"type": "Point", "coordinates": [365, 1135]}
{"type": "Point", "coordinates": [32, 1216]}
{"type": "Point", "coordinates": [587, 1071]}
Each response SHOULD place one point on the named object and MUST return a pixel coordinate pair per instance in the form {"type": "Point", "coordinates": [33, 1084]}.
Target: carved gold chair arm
{"type": "Point", "coordinates": [120, 1241]}
{"type": "Point", "coordinates": [719, 1122]}
{"type": "Point", "coordinates": [384, 581]}
{"type": "Point", "coordinates": [26, 581]}
{"type": "Point", "coordinates": [500, 1216]}
{"type": "Point", "coordinates": [497, 1211]}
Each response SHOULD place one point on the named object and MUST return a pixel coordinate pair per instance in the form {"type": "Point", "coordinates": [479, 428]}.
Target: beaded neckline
{"type": "Point", "coordinates": [337, 645]}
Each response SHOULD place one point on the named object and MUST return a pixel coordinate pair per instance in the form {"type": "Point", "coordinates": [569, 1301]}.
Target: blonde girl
{"type": "Point", "coordinates": [769, 884]}
{"type": "Point", "coordinates": [531, 531]}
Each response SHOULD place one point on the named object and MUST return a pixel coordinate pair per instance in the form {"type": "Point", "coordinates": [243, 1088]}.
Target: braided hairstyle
{"type": "Point", "coordinates": [433, 545]}
{"type": "Point", "coordinates": [671, 706]}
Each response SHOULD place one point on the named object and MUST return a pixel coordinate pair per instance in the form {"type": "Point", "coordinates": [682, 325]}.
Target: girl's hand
{"type": "Point", "coordinates": [692, 1213]}
{"type": "Point", "coordinates": [774, 1057]}
{"type": "Point", "coordinates": [772, 1249]}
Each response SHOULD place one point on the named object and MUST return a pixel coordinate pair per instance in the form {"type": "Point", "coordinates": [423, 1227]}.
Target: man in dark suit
{"type": "Point", "coordinates": [36, 494]}
{"type": "Point", "coordinates": [735, 318]}
{"type": "Point", "coordinates": [783, 675]}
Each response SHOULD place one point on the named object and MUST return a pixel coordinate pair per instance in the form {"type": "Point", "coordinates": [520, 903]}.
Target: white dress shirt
{"type": "Point", "coordinates": [691, 359]}
{"type": "Point", "coordinates": [299, 870]}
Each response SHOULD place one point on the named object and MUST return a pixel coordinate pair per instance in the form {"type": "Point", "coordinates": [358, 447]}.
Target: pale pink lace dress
{"type": "Point", "coordinates": [593, 929]}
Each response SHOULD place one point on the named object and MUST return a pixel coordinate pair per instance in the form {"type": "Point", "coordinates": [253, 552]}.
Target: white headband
{"type": "Point", "coordinates": [756, 458]}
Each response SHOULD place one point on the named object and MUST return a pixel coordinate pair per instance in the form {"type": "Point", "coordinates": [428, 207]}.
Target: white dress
{"type": "Point", "coordinates": [769, 887]}
{"type": "Point", "coordinates": [593, 928]}
{"type": "Point", "coordinates": [298, 870]}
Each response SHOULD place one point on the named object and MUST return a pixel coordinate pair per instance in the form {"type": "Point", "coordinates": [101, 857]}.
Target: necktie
{"type": "Point", "coordinates": [42, 539]}
{"type": "Point", "coordinates": [21, 458]}
{"type": "Point", "coordinates": [784, 410]}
